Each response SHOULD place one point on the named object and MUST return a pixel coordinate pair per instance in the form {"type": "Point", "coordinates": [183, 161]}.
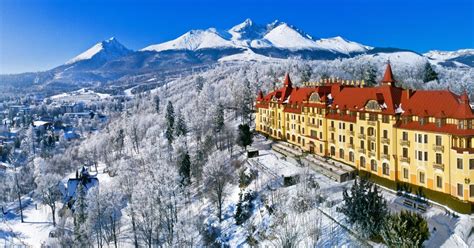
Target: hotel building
{"type": "Point", "coordinates": [423, 137]}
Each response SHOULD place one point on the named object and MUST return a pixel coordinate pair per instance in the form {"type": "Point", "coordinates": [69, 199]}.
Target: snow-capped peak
{"type": "Point", "coordinates": [193, 40]}
{"type": "Point", "coordinates": [341, 45]}
{"type": "Point", "coordinates": [283, 35]}
{"type": "Point", "coordinates": [110, 47]}
{"type": "Point", "coordinates": [250, 35]}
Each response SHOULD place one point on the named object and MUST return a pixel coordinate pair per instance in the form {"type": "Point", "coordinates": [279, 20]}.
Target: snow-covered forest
{"type": "Point", "coordinates": [172, 168]}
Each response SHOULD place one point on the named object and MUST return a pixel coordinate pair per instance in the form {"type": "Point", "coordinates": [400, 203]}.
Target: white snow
{"type": "Point", "coordinates": [341, 45]}
{"type": "Point", "coordinates": [247, 55]}
{"type": "Point", "coordinates": [247, 34]}
{"type": "Point", "coordinates": [445, 55]}
{"type": "Point", "coordinates": [88, 54]}
{"type": "Point", "coordinates": [84, 95]}
{"type": "Point", "coordinates": [283, 36]}
{"type": "Point", "coordinates": [193, 40]}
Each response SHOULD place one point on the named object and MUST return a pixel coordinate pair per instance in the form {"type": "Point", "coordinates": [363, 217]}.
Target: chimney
{"type": "Point", "coordinates": [408, 93]}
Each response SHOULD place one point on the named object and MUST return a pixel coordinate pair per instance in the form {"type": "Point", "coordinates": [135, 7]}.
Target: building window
{"type": "Point", "coordinates": [341, 153]}
{"type": "Point", "coordinates": [385, 118]}
{"type": "Point", "coordinates": [371, 132]}
{"type": "Point", "coordinates": [333, 151]}
{"type": "Point", "coordinates": [320, 148]}
{"type": "Point", "coordinates": [439, 158]}
{"type": "Point", "coordinates": [362, 145]}
{"type": "Point", "coordinates": [373, 165]}
{"type": "Point", "coordinates": [439, 140]}
{"type": "Point", "coordinates": [439, 182]}
{"type": "Point", "coordinates": [471, 190]}
{"type": "Point", "coordinates": [426, 138]}
{"type": "Point", "coordinates": [351, 156]}
{"type": "Point", "coordinates": [362, 161]}
{"type": "Point", "coordinates": [405, 152]}
{"type": "Point", "coordinates": [460, 190]}
{"type": "Point", "coordinates": [332, 123]}
{"type": "Point", "coordinates": [459, 163]}
{"type": "Point", "coordinates": [351, 140]}
{"type": "Point", "coordinates": [351, 128]}
{"type": "Point", "coordinates": [405, 173]}
{"type": "Point", "coordinates": [405, 136]}
{"type": "Point", "coordinates": [385, 149]}
{"type": "Point", "coordinates": [385, 133]}
{"type": "Point", "coordinates": [385, 169]}
{"type": "Point", "coordinates": [362, 130]}
{"type": "Point", "coordinates": [471, 164]}
{"type": "Point", "coordinates": [422, 177]}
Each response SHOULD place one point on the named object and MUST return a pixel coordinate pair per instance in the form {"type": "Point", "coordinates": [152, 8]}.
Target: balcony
{"type": "Point", "coordinates": [331, 141]}
{"type": "Point", "coordinates": [361, 136]}
{"type": "Point", "coordinates": [350, 133]}
{"type": "Point", "coordinates": [404, 142]}
{"type": "Point", "coordinates": [372, 138]}
{"type": "Point", "coordinates": [350, 146]}
{"type": "Point", "coordinates": [438, 148]}
{"type": "Point", "coordinates": [438, 166]}
{"type": "Point", "coordinates": [361, 150]}
{"type": "Point", "coordinates": [371, 153]}
{"type": "Point", "coordinates": [372, 123]}
{"type": "Point", "coordinates": [404, 159]}
{"type": "Point", "coordinates": [332, 129]}
{"type": "Point", "coordinates": [313, 125]}
{"type": "Point", "coordinates": [385, 156]}
{"type": "Point", "coordinates": [385, 141]}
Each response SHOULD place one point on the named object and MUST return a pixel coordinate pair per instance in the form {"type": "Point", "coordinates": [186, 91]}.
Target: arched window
{"type": "Point", "coordinates": [351, 156]}
{"type": "Point", "coordinates": [372, 105]}
{"type": "Point", "coordinates": [333, 151]}
{"type": "Point", "coordinates": [386, 169]}
{"type": "Point", "coordinates": [362, 161]}
{"type": "Point", "coordinates": [341, 153]}
{"type": "Point", "coordinates": [314, 97]}
{"type": "Point", "coordinates": [373, 165]}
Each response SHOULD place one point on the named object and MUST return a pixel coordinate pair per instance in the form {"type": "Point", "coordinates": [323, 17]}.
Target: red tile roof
{"type": "Point", "coordinates": [388, 76]}
{"type": "Point", "coordinates": [393, 100]}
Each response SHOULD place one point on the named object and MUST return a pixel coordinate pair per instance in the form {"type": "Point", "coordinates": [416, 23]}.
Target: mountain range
{"type": "Point", "coordinates": [109, 60]}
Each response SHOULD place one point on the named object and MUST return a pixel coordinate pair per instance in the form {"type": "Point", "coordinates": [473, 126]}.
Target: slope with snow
{"type": "Point", "coordinates": [109, 49]}
{"type": "Point", "coordinates": [250, 35]}
{"type": "Point", "coordinates": [342, 45]}
{"type": "Point", "coordinates": [445, 55]}
{"type": "Point", "coordinates": [193, 40]}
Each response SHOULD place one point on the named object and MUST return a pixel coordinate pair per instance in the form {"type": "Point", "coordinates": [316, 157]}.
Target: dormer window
{"type": "Point", "coordinates": [440, 122]}
{"type": "Point", "coordinates": [422, 120]}
{"type": "Point", "coordinates": [406, 119]}
{"type": "Point", "coordinates": [461, 124]}
{"type": "Point", "coordinates": [469, 124]}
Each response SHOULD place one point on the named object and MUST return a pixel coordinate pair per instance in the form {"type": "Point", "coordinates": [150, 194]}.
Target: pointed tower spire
{"type": "Point", "coordinates": [388, 76]}
{"type": "Point", "coordinates": [287, 81]}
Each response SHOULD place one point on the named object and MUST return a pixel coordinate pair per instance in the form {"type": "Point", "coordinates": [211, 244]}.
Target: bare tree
{"type": "Point", "coordinates": [218, 174]}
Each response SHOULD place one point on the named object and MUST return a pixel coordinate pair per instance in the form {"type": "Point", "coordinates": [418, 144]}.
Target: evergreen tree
{"type": "Point", "coordinates": [80, 217]}
{"type": "Point", "coordinates": [185, 168]}
{"type": "Point", "coordinates": [247, 102]}
{"type": "Point", "coordinates": [169, 122]}
{"type": "Point", "coordinates": [219, 118]}
{"type": "Point", "coordinates": [365, 207]}
{"type": "Point", "coordinates": [199, 83]}
{"type": "Point", "coordinates": [405, 229]}
{"type": "Point", "coordinates": [429, 74]}
{"type": "Point", "coordinates": [156, 101]}
{"type": "Point", "coordinates": [370, 76]}
{"type": "Point", "coordinates": [181, 128]}
{"type": "Point", "coordinates": [244, 138]}
{"type": "Point", "coordinates": [306, 73]}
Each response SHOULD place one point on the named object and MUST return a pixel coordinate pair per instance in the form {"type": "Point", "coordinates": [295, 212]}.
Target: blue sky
{"type": "Point", "coordinates": [40, 34]}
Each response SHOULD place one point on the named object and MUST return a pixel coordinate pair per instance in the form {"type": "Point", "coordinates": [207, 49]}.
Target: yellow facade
{"type": "Point", "coordinates": [373, 141]}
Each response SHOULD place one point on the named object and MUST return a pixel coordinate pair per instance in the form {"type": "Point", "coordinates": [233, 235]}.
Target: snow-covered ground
{"type": "Point", "coordinates": [82, 95]}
